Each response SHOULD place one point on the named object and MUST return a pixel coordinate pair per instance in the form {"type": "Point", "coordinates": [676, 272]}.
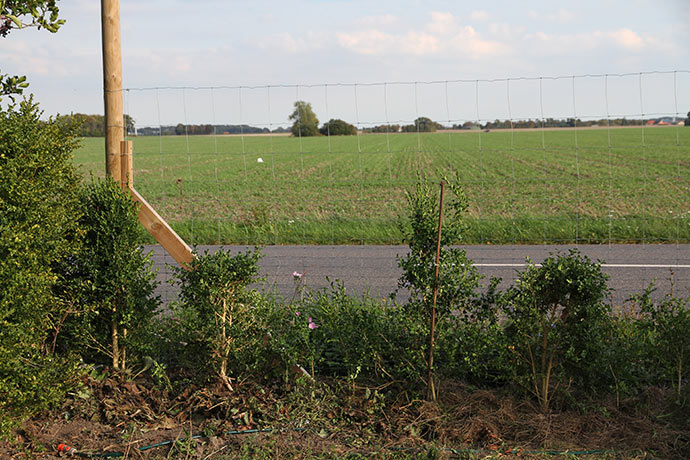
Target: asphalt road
{"type": "Point", "coordinates": [374, 268]}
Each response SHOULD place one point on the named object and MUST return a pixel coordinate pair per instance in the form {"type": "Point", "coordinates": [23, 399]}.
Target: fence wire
{"type": "Point", "coordinates": [247, 180]}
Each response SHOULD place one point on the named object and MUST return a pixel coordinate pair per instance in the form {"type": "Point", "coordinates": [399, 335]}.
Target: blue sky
{"type": "Point", "coordinates": [232, 43]}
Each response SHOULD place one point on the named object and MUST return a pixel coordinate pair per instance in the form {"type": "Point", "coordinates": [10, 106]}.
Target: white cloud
{"type": "Point", "coordinates": [627, 38]}
{"type": "Point", "coordinates": [544, 44]}
{"type": "Point", "coordinates": [181, 64]}
{"type": "Point", "coordinates": [479, 15]}
{"type": "Point", "coordinates": [563, 44]}
{"type": "Point", "coordinates": [441, 34]}
{"type": "Point", "coordinates": [288, 43]}
{"type": "Point", "coordinates": [375, 42]}
{"type": "Point", "coordinates": [469, 41]}
{"type": "Point", "coordinates": [560, 16]}
{"type": "Point", "coordinates": [442, 23]}
{"type": "Point", "coordinates": [377, 21]}
{"type": "Point", "coordinates": [47, 60]}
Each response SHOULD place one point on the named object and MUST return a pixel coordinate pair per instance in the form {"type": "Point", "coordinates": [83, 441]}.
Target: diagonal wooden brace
{"type": "Point", "coordinates": [149, 218]}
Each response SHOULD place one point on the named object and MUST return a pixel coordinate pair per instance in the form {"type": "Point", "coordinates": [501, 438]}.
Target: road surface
{"type": "Point", "coordinates": [374, 268]}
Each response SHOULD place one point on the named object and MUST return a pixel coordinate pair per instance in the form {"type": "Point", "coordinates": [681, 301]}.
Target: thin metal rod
{"type": "Point", "coordinates": [431, 393]}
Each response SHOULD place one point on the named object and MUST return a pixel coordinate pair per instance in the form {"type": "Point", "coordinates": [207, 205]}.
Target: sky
{"type": "Point", "coordinates": [261, 56]}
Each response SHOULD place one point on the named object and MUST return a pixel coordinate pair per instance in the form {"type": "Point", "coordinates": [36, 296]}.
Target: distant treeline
{"type": "Point", "coordinates": [181, 129]}
{"type": "Point", "coordinates": [421, 124]}
{"type": "Point", "coordinates": [92, 125]}
{"type": "Point", "coordinates": [555, 123]}
{"type": "Point", "coordinates": [426, 125]}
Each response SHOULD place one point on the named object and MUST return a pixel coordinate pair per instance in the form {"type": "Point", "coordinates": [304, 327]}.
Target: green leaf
{"type": "Point", "coordinates": [16, 21]}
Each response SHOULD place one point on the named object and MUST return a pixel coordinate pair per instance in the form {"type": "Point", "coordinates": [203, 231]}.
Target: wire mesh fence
{"type": "Point", "coordinates": [582, 159]}
{"type": "Point", "coordinates": [569, 160]}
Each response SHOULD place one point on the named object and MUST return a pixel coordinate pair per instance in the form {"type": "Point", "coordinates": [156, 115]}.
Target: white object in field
{"type": "Point", "coordinates": [259, 160]}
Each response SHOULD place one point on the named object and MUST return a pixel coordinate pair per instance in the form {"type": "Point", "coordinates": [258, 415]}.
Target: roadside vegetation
{"type": "Point", "coordinates": [92, 361]}
{"type": "Point", "coordinates": [91, 364]}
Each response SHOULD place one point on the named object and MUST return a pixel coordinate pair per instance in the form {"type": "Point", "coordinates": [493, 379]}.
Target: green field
{"type": "Point", "coordinates": [526, 186]}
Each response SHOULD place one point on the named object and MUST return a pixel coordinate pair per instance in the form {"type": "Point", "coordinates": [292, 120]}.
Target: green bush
{"type": "Point", "coordinates": [458, 278]}
{"type": "Point", "coordinates": [335, 334]}
{"type": "Point", "coordinates": [667, 322]}
{"type": "Point", "coordinates": [632, 364]}
{"type": "Point", "coordinates": [112, 276]}
{"type": "Point", "coordinates": [39, 205]}
{"type": "Point", "coordinates": [225, 321]}
{"type": "Point", "coordinates": [559, 325]}
{"type": "Point", "coordinates": [472, 344]}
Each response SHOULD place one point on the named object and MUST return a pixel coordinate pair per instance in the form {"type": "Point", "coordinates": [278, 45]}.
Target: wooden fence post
{"type": "Point", "coordinates": [118, 152]}
{"type": "Point", "coordinates": [112, 85]}
{"type": "Point", "coordinates": [126, 175]}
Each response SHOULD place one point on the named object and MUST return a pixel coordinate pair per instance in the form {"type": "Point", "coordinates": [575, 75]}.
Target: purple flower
{"type": "Point", "coordinates": [297, 275]}
{"type": "Point", "coordinates": [297, 313]}
{"type": "Point", "coordinates": [312, 325]}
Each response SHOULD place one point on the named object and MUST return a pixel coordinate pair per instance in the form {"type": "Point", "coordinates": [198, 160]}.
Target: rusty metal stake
{"type": "Point", "coordinates": [431, 392]}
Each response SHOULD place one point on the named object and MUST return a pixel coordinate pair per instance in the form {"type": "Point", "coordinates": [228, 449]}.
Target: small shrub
{"type": "Point", "coordinates": [221, 315]}
{"type": "Point", "coordinates": [559, 324]}
{"type": "Point", "coordinates": [667, 322]}
{"type": "Point", "coordinates": [340, 335]}
{"type": "Point", "coordinates": [631, 360]}
{"type": "Point", "coordinates": [472, 345]}
{"type": "Point", "coordinates": [112, 276]}
{"type": "Point", "coordinates": [458, 278]}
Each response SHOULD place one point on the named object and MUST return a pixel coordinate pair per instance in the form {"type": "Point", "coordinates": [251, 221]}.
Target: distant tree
{"type": "Point", "coordinates": [386, 129]}
{"type": "Point", "coordinates": [422, 125]}
{"type": "Point", "coordinates": [304, 119]}
{"type": "Point", "coordinates": [687, 120]}
{"type": "Point", "coordinates": [92, 125]}
{"type": "Point", "coordinates": [129, 125]}
{"type": "Point", "coordinates": [337, 127]}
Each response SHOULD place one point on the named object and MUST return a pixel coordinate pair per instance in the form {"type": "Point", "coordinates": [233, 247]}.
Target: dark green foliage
{"type": "Point", "coordinates": [94, 125]}
{"type": "Point", "coordinates": [43, 14]}
{"type": "Point", "coordinates": [364, 340]}
{"type": "Point", "coordinates": [192, 130]}
{"type": "Point", "coordinates": [224, 318]}
{"type": "Point", "coordinates": [667, 323]}
{"type": "Point", "coordinates": [632, 362]}
{"type": "Point", "coordinates": [422, 125]}
{"type": "Point", "coordinates": [11, 85]}
{"type": "Point", "coordinates": [117, 277]}
{"type": "Point", "coordinates": [39, 206]}
{"type": "Point", "coordinates": [336, 127]}
{"type": "Point", "coordinates": [305, 123]}
{"type": "Point", "coordinates": [559, 325]}
{"type": "Point", "coordinates": [472, 344]}
{"type": "Point", "coordinates": [385, 129]}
